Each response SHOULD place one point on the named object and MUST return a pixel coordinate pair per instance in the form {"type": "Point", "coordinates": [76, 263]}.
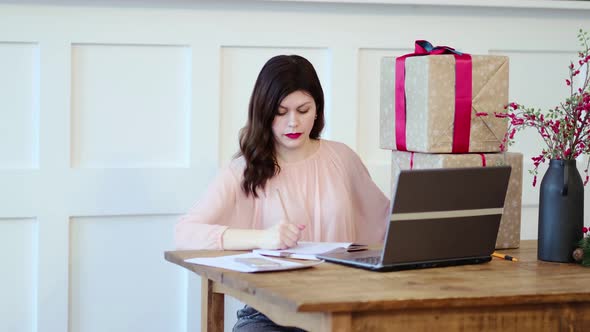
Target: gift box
{"type": "Point", "coordinates": [509, 233]}
{"type": "Point", "coordinates": [433, 89]}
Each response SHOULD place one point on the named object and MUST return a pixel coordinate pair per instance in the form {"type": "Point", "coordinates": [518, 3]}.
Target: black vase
{"type": "Point", "coordinates": [561, 212]}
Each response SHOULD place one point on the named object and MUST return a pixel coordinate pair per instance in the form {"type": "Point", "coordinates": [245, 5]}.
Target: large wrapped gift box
{"type": "Point", "coordinates": [430, 103]}
{"type": "Point", "coordinates": [509, 233]}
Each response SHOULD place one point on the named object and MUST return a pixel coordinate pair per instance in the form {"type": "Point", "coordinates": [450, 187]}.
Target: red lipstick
{"type": "Point", "coordinates": [293, 135]}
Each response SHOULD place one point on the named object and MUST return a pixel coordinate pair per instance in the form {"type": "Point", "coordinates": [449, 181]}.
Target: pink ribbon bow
{"type": "Point", "coordinates": [463, 94]}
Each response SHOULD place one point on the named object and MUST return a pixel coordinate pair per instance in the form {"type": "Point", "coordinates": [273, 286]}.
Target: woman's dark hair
{"type": "Point", "coordinates": [280, 76]}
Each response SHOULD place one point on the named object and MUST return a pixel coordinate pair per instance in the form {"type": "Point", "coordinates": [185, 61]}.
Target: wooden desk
{"type": "Point", "coordinates": [500, 295]}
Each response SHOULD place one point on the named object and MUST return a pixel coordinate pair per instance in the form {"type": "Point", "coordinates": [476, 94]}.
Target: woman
{"type": "Point", "coordinates": [286, 184]}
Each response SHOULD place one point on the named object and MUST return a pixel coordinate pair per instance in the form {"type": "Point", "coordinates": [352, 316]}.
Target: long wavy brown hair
{"type": "Point", "coordinates": [279, 77]}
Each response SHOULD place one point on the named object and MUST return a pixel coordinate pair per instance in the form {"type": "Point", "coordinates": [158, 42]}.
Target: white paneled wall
{"type": "Point", "coordinates": [115, 115]}
{"type": "Point", "coordinates": [19, 274]}
{"type": "Point", "coordinates": [112, 270]}
{"type": "Point", "coordinates": [19, 94]}
{"type": "Point", "coordinates": [138, 96]}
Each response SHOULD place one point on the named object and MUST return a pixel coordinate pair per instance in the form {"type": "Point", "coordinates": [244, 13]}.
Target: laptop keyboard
{"type": "Point", "coordinates": [374, 260]}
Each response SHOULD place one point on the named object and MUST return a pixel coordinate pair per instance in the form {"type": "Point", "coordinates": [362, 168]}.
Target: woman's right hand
{"type": "Point", "coordinates": [281, 236]}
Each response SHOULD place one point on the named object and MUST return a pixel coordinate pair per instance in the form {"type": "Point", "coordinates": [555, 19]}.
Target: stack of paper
{"type": "Point", "coordinates": [250, 262]}
{"type": "Point", "coordinates": [309, 250]}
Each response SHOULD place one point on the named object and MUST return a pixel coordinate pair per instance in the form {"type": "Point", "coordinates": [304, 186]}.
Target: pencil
{"type": "Point", "coordinates": [283, 205]}
{"type": "Point", "coordinates": [506, 257]}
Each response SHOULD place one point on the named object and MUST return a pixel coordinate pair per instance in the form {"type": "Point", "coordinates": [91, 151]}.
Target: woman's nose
{"type": "Point", "coordinates": [293, 119]}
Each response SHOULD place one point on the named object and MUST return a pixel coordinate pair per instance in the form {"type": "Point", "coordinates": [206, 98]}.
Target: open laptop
{"type": "Point", "coordinates": [440, 217]}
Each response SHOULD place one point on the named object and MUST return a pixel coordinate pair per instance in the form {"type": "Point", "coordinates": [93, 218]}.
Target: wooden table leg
{"type": "Point", "coordinates": [212, 305]}
{"type": "Point", "coordinates": [339, 322]}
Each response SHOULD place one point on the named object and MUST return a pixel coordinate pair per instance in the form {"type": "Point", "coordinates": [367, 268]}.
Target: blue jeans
{"type": "Point", "coordinates": [252, 320]}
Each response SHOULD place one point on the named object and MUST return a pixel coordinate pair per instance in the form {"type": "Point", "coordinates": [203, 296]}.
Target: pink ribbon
{"type": "Point", "coordinates": [463, 94]}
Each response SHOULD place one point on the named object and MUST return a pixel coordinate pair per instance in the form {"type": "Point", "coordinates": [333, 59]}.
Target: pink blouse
{"type": "Point", "coordinates": [331, 192]}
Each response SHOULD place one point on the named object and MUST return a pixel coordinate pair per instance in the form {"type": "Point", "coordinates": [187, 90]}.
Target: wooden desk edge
{"type": "Point", "coordinates": [338, 317]}
{"type": "Point", "coordinates": [526, 246]}
{"type": "Point", "coordinates": [449, 303]}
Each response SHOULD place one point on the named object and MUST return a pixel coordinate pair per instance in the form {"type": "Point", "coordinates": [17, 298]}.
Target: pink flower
{"type": "Point", "coordinates": [565, 129]}
{"type": "Point", "coordinates": [585, 229]}
{"type": "Point", "coordinates": [517, 122]}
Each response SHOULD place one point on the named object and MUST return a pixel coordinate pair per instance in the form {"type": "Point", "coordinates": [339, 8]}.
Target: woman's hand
{"type": "Point", "coordinates": [281, 236]}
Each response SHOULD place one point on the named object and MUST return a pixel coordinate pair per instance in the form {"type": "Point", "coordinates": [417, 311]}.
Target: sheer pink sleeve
{"type": "Point", "coordinates": [370, 205]}
{"type": "Point", "coordinates": [203, 226]}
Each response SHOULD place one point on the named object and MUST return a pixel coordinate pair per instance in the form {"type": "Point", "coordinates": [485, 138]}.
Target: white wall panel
{"type": "Point", "coordinates": [378, 161]}
{"type": "Point", "coordinates": [18, 279]}
{"type": "Point", "coordinates": [130, 105]}
{"type": "Point", "coordinates": [239, 69]}
{"type": "Point", "coordinates": [19, 105]}
{"type": "Point", "coordinates": [529, 222]}
{"type": "Point", "coordinates": [119, 280]}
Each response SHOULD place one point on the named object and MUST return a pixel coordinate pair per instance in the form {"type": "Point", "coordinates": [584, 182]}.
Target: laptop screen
{"type": "Point", "coordinates": [442, 214]}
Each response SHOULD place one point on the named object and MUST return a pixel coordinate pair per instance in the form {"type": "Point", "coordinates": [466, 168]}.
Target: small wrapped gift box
{"type": "Point", "coordinates": [509, 233]}
{"type": "Point", "coordinates": [443, 103]}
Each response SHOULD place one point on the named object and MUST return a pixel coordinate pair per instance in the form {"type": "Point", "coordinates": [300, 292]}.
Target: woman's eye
{"type": "Point", "coordinates": [279, 113]}
{"type": "Point", "coordinates": [304, 111]}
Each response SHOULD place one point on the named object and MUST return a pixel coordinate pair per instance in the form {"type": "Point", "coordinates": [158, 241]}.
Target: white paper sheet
{"type": "Point", "coordinates": [249, 262]}
{"type": "Point", "coordinates": [309, 250]}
